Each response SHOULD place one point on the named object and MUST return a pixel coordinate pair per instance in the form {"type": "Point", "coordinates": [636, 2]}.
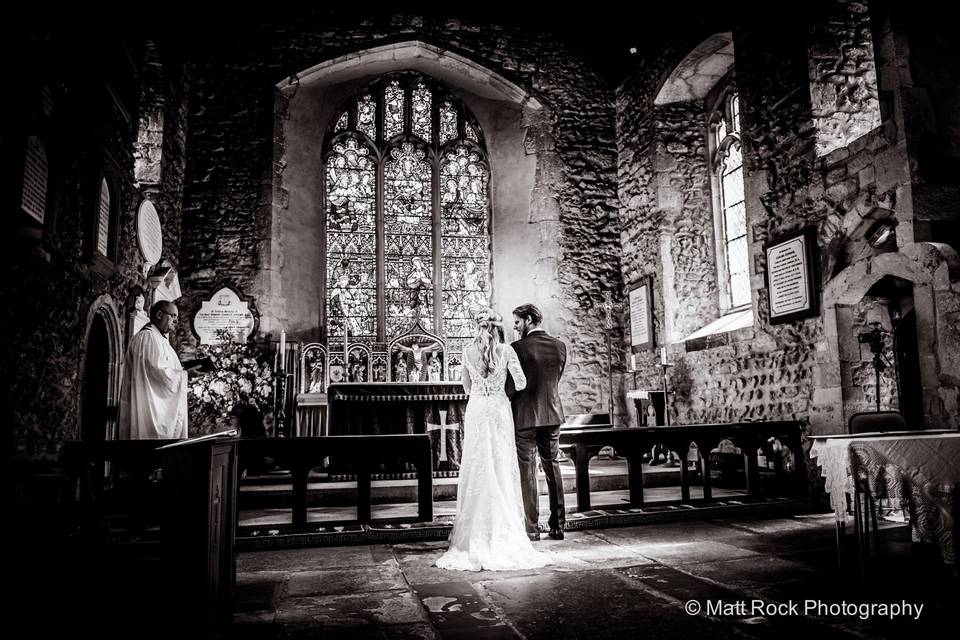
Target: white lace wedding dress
{"type": "Point", "coordinates": [489, 531]}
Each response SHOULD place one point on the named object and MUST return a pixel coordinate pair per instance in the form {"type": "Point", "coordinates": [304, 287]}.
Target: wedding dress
{"type": "Point", "coordinates": [489, 531]}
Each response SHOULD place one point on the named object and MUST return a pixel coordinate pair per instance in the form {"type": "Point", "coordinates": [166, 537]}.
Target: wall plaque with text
{"type": "Point", "coordinates": [33, 200]}
{"type": "Point", "coordinates": [226, 311]}
{"type": "Point", "coordinates": [791, 277]}
{"type": "Point", "coordinates": [641, 316]}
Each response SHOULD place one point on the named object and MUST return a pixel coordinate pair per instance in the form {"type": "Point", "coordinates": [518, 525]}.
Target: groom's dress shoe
{"type": "Point", "coordinates": [556, 534]}
{"type": "Point", "coordinates": [533, 536]}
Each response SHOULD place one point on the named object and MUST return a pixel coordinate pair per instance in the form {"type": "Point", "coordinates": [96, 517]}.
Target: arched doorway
{"type": "Point", "coordinates": [93, 417]}
{"type": "Point", "coordinates": [908, 365]}
{"type": "Point", "coordinates": [100, 372]}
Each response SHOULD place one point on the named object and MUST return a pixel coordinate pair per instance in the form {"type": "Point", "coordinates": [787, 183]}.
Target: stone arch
{"type": "Point", "coordinates": [852, 284]}
{"type": "Point", "coordinates": [445, 65]}
{"type": "Point", "coordinates": [102, 326]}
{"type": "Point", "coordinates": [525, 169]}
{"type": "Point", "coordinates": [931, 269]}
{"type": "Point", "coordinates": [699, 71]}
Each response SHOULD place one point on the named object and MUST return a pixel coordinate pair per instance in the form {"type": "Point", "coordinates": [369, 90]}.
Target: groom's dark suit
{"type": "Point", "coordinates": [538, 414]}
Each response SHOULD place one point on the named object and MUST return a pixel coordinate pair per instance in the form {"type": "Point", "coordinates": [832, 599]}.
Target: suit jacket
{"type": "Point", "coordinates": [543, 358]}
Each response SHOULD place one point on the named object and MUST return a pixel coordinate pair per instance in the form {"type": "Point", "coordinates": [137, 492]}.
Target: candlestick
{"type": "Point", "coordinates": [666, 392]}
{"type": "Point", "coordinates": [283, 350]}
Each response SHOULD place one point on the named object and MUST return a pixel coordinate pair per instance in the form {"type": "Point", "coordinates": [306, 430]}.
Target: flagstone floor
{"type": "Point", "coordinates": [729, 578]}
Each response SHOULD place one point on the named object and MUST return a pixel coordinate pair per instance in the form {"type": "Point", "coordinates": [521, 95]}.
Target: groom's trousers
{"type": "Point", "coordinates": [546, 442]}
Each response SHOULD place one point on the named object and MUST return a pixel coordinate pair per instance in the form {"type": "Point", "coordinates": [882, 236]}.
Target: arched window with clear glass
{"type": "Point", "coordinates": [730, 222]}
{"type": "Point", "coordinates": [407, 213]}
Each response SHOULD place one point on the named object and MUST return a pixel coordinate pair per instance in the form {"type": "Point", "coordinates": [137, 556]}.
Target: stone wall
{"type": "Point", "coordinates": [687, 248]}
{"type": "Point", "coordinates": [843, 77]}
{"type": "Point", "coordinates": [50, 280]}
{"type": "Point", "coordinates": [768, 371]}
{"type": "Point", "coordinates": [918, 60]}
{"type": "Point", "coordinates": [230, 198]}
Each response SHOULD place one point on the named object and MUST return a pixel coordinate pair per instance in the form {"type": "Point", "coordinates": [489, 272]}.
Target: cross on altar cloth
{"type": "Point", "coordinates": [443, 428]}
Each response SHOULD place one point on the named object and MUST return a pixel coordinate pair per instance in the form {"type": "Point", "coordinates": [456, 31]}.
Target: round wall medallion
{"type": "Point", "coordinates": [149, 234]}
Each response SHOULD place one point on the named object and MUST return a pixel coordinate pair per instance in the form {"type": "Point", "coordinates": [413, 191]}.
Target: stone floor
{"type": "Point", "coordinates": [642, 582]}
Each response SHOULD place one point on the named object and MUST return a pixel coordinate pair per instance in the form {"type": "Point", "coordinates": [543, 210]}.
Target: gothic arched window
{"type": "Point", "coordinates": [407, 213]}
{"type": "Point", "coordinates": [730, 221]}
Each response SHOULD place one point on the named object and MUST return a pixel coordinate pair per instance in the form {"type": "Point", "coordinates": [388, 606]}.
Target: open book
{"type": "Point", "coordinates": [230, 433]}
{"type": "Point", "coordinates": [205, 364]}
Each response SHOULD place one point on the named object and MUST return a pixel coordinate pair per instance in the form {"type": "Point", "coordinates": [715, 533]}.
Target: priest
{"type": "Point", "coordinates": [153, 399]}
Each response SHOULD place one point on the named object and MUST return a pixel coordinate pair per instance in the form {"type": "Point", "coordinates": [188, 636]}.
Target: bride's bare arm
{"type": "Point", "coordinates": [516, 371]}
{"type": "Point", "coordinates": [465, 374]}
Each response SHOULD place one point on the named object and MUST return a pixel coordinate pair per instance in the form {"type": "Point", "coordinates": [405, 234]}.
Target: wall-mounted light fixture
{"type": "Point", "coordinates": [880, 233]}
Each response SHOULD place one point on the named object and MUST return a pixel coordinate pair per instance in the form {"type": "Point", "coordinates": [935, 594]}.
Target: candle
{"type": "Point", "coordinates": [663, 355]}
{"type": "Point", "coordinates": [633, 362]}
{"type": "Point", "coordinates": [283, 350]}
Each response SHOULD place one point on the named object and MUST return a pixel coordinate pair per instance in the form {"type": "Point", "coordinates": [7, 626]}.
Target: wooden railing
{"type": "Point", "coordinates": [632, 443]}
{"type": "Point", "coordinates": [364, 454]}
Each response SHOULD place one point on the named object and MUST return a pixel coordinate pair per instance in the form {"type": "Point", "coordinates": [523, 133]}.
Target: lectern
{"type": "Point", "coordinates": [199, 518]}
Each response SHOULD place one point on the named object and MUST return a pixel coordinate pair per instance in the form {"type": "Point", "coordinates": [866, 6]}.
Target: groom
{"type": "Point", "coordinates": [537, 414]}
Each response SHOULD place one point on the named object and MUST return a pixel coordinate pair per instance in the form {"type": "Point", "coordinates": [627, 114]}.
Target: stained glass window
{"type": "Point", "coordinates": [448, 122]}
{"type": "Point", "coordinates": [367, 116]}
{"type": "Point", "coordinates": [421, 107]}
{"type": "Point", "coordinates": [351, 267]}
{"type": "Point", "coordinates": [472, 133]}
{"type": "Point", "coordinates": [379, 298]}
{"type": "Point", "coordinates": [464, 180]}
{"type": "Point", "coordinates": [728, 165]}
{"type": "Point", "coordinates": [408, 234]}
{"type": "Point", "coordinates": [393, 110]}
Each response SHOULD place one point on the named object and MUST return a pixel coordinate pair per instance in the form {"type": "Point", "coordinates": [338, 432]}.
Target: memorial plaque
{"type": "Point", "coordinates": [791, 278]}
{"type": "Point", "coordinates": [103, 221]}
{"type": "Point", "coordinates": [149, 233]}
{"type": "Point", "coordinates": [224, 311]}
{"type": "Point", "coordinates": [641, 316]}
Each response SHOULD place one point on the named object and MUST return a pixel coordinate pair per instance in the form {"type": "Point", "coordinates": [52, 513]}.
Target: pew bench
{"type": "Point", "coordinates": [633, 442]}
{"type": "Point", "coordinates": [116, 485]}
{"type": "Point", "coordinates": [363, 453]}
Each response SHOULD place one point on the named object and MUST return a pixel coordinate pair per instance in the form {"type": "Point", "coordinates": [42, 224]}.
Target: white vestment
{"type": "Point", "coordinates": [153, 400]}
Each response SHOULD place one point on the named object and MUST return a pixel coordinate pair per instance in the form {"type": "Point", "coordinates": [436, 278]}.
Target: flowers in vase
{"type": "Point", "coordinates": [242, 375]}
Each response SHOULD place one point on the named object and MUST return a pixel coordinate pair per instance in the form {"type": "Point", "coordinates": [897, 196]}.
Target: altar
{"type": "Point", "coordinates": [434, 408]}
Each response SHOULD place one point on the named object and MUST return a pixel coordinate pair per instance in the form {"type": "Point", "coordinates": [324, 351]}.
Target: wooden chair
{"type": "Point", "coordinates": [874, 421]}
{"type": "Point", "coordinates": [864, 506]}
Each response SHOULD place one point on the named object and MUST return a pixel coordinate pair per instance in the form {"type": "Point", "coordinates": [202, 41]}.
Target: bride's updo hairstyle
{"type": "Point", "coordinates": [489, 334]}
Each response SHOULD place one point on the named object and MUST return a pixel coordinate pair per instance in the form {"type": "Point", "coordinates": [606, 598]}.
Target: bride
{"type": "Point", "coordinates": [489, 531]}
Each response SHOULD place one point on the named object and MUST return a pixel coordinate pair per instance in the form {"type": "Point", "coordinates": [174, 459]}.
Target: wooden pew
{"type": "Point", "coordinates": [96, 471]}
{"type": "Point", "coordinates": [177, 499]}
{"type": "Point", "coordinates": [363, 452]}
{"type": "Point", "coordinates": [632, 442]}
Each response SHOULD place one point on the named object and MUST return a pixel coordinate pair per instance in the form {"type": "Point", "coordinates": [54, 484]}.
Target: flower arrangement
{"type": "Point", "coordinates": [241, 376]}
